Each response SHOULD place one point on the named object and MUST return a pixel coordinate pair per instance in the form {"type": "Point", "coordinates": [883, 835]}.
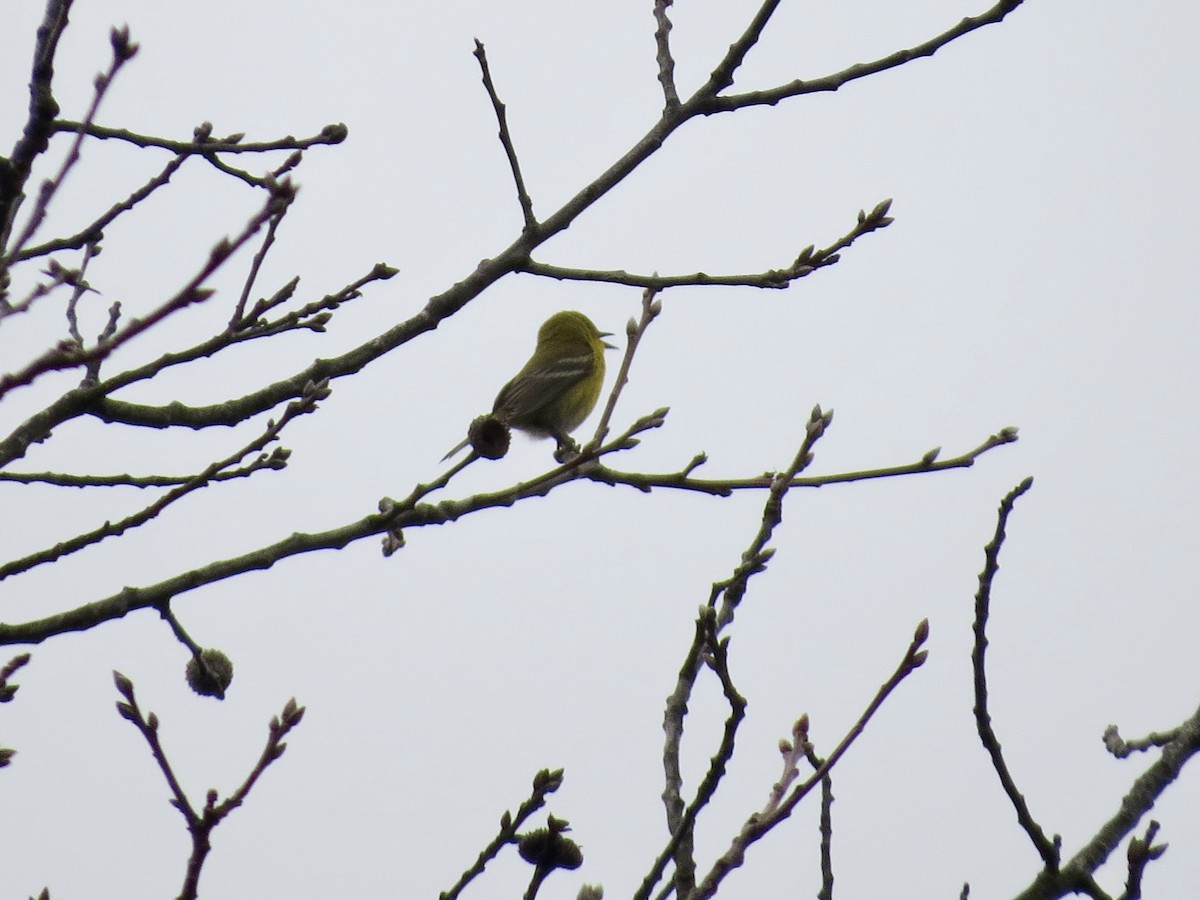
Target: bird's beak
{"type": "Point", "coordinates": [605, 334]}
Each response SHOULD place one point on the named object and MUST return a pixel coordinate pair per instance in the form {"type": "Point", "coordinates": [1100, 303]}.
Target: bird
{"type": "Point", "coordinates": [556, 390]}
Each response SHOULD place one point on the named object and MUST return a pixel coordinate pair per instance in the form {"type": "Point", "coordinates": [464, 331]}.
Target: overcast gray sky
{"type": "Point", "coordinates": [1039, 274]}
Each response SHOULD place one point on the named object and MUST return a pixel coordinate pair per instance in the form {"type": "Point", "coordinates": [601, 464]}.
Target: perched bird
{"type": "Point", "coordinates": [558, 388]}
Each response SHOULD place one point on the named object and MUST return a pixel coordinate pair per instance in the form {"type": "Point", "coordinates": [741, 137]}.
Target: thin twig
{"type": "Point", "coordinates": [201, 824]}
{"type": "Point", "coordinates": [330, 134]}
{"type": "Point", "coordinates": [1147, 788]}
{"type": "Point", "coordinates": [772, 279]}
{"type": "Point", "coordinates": [268, 241]}
{"type": "Point", "coordinates": [760, 823]}
{"type": "Point", "coordinates": [826, 830]}
{"type": "Point", "coordinates": [825, 824]}
{"type": "Point", "coordinates": [682, 819]}
{"type": "Point", "coordinates": [724, 487]}
{"type": "Point", "coordinates": [634, 331]}
{"type": "Point", "coordinates": [92, 232]}
{"type": "Point", "coordinates": [35, 136]}
{"type": "Point", "coordinates": [1047, 849]}
{"type": "Point", "coordinates": [8, 691]}
{"type": "Point", "coordinates": [731, 591]}
{"type": "Point", "coordinates": [313, 315]}
{"type": "Point", "coordinates": [58, 275]}
{"type": "Point", "coordinates": [393, 517]}
{"type": "Point", "coordinates": [506, 139]}
{"type": "Point", "coordinates": [722, 75]}
{"type": "Point", "coordinates": [123, 50]}
{"type": "Point", "coordinates": [61, 357]}
{"type": "Point", "coordinates": [807, 262]}
{"type": "Point", "coordinates": [79, 287]}
{"type": "Point", "coordinates": [196, 482]}
{"type": "Point", "coordinates": [708, 101]}
{"type": "Point", "coordinates": [666, 62]}
{"type": "Point", "coordinates": [755, 558]}
{"type": "Point", "coordinates": [1121, 748]}
{"type": "Point", "coordinates": [1142, 851]}
{"type": "Point", "coordinates": [545, 783]}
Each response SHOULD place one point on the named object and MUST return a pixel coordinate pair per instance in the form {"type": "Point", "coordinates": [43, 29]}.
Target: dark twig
{"type": "Point", "coordinates": [276, 459]}
{"type": "Point", "coordinates": [506, 139]}
{"type": "Point", "coordinates": [313, 315]}
{"type": "Point", "coordinates": [723, 487]}
{"type": "Point", "coordinates": [79, 287]}
{"type": "Point", "coordinates": [666, 62]}
{"type": "Point", "coordinates": [268, 241]}
{"type": "Point", "coordinates": [772, 279]}
{"type": "Point", "coordinates": [1142, 851]}
{"type": "Point", "coordinates": [330, 134]}
{"type": "Point", "coordinates": [1047, 849]}
{"type": "Point", "coordinates": [826, 831]}
{"type": "Point", "coordinates": [1077, 873]}
{"type": "Point", "coordinates": [634, 331]}
{"type": "Point", "coordinates": [254, 181]}
{"type": "Point", "coordinates": [200, 480]}
{"type": "Point", "coordinates": [35, 138]}
{"type": "Point", "coordinates": [800, 744]}
{"type": "Point", "coordinates": [679, 846]}
{"type": "Point", "coordinates": [92, 232]}
{"type": "Point", "coordinates": [62, 357]}
{"type": "Point", "coordinates": [545, 782]}
{"type": "Point", "coordinates": [807, 262]}
{"type": "Point", "coordinates": [681, 819]}
{"type": "Point", "coordinates": [393, 517]}
{"type": "Point", "coordinates": [123, 50]}
{"type": "Point", "coordinates": [754, 560]}
{"type": "Point", "coordinates": [1121, 748]}
{"type": "Point", "coordinates": [758, 824]}
{"type": "Point", "coordinates": [7, 693]}
{"type": "Point", "coordinates": [722, 75]}
{"type": "Point", "coordinates": [178, 630]}
{"type": "Point", "coordinates": [201, 824]}
{"type": "Point", "coordinates": [58, 275]}
{"type": "Point", "coordinates": [709, 102]}
{"type": "Point", "coordinates": [94, 399]}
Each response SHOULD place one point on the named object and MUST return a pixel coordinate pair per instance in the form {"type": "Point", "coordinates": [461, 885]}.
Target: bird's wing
{"type": "Point", "coordinates": [537, 385]}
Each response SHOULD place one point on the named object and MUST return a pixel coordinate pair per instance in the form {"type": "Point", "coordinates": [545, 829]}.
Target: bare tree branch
{"type": "Point", "coordinates": [1048, 850]}
{"type": "Point", "coordinates": [1077, 873]}
{"type": "Point", "coordinates": [66, 356]}
{"type": "Point", "coordinates": [722, 75]}
{"type": "Point", "coordinates": [506, 139]}
{"type": "Point", "coordinates": [710, 102]}
{"type": "Point", "coordinates": [723, 487]}
{"type": "Point", "coordinates": [1142, 851]}
{"type": "Point", "coordinates": [201, 824]}
{"type": "Point", "coordinates": [806, 263]}
{"type": "Point", "coordinates": [94, 231]}
{"type": "Point", "coordinates": [516, 256]}
{"type": "Point", "coordinates": [757, 825]}
{"type": "Point", "coordinates": [666, 62]}
{"type": "Point", "coordinates": [545, 783]}
{"type": "Point", "coordinates": [15, 171]}
{"type": "Point", "coordinates": [1120, 748]}
{"type": "Point", "coordinates": [200, 480]}
{"type": "Point", "coordinates": [329, 135]}
{"type": "Point", "coordinates": [123, 50]}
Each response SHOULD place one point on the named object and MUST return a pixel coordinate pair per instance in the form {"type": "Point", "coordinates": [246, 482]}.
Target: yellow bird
{"type": "Point", "coordinates": [559, 386]}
